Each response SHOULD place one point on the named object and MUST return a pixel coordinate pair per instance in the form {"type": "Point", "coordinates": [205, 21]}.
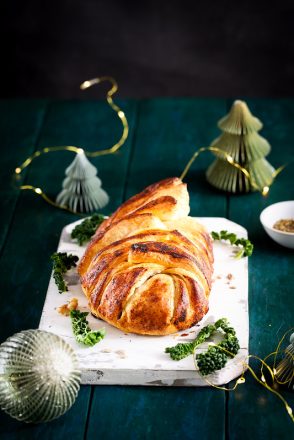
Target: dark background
{"type": "Point", "coordinates": [153, 48]}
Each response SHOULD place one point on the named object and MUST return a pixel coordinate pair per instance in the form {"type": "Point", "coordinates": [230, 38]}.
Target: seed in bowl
{"type": "Point", "coordinates": [285, 225]}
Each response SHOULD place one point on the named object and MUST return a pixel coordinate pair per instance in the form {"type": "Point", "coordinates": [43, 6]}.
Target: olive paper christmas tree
{"type": "Point", "coordinates": [82, 190]}
{"type": "Point", "coordinates": [240, 140]}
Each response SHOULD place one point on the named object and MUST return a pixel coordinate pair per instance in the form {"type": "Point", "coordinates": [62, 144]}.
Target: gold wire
{"type": "Point", "coordinates": [47, 199]}
{"type": "Point", "coordinates": [78, 150]}
{"type": "Point", "coordinates": [275, 354]}
{"type": "Point", "coordinates": [265, 384]}
{"type": "Point", "coordinates": [116, 108]}
{"type": "Point", "coordinates": [231, 161]}
{"type": "Point", "coordinates": [261, 381]}
{"type": "Point", "coordinates": [240, 380]}
{"type": "Point", "coordinates": [111, 150]}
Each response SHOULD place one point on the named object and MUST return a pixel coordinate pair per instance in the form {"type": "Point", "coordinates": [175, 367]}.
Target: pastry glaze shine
{"type": "Point", "coordinates": [148, 268]}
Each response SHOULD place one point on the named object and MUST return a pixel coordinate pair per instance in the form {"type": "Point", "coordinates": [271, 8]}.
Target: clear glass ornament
{"type": "Point", "coordinates": [39, 376]}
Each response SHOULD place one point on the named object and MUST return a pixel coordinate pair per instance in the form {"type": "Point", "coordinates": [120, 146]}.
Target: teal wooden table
{"type": "Point", "coordinates": [163, 135]}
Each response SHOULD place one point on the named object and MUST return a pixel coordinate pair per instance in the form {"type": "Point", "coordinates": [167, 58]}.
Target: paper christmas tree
{"type": "Point", "coordinates": [82, 190]}
{"type": "Point", "coordinates": [240, 139]}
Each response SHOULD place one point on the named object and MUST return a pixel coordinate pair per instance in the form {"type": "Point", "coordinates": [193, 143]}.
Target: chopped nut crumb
{"type": "Point", "coordinates": [66, 308]}
{"type": "Point", "coordinates": [230, 276]}
{"type": "Point", "coordinates": [218, 277]}
{"type": "Point", "coordinates": [233, 287]}
{"type": "Point", "coordinates": [285, 225]}
{"type": "Point", "coordinates": [121, 354]}
{"type": "Point", "coordinates": [63, 310]}
{"type": "Point", "coordinates": [73, 304]}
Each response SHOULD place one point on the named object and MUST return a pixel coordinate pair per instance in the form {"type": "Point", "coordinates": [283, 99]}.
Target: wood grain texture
{"type": "Point", "coordinates": [168, 132]}
{"type": "Point", "coordinates": [71, 425]}
{"type": "Point", "coordinates": [20, 126]}
{"type": "Point", "coordinates": [155, 413]}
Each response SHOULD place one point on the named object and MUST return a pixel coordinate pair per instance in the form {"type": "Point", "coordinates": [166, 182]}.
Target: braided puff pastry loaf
{"type": "Point", "coordinates": [148, 268]}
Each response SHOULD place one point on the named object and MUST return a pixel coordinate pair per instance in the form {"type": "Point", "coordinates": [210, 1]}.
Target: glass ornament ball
{"type": "Point", "coordinates": [39, 376]}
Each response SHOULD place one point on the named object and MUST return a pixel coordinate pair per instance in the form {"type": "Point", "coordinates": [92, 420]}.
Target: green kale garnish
{"type": "Point", "coordinates": [246, 247]}
{"type": "Point", "coordinates": [82, 331]}
{"type": "Point", "coordinates": [62, 262]}
{"type": "Point", "coordinates": [85, 230]}
{"type": "Point", "coordinates": [217, 355]}
{"type": "Point", "coordinates": [182, 350]}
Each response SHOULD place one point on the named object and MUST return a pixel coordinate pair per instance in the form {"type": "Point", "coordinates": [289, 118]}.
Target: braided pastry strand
{"type": "Point", "coordinates": [148, 268]}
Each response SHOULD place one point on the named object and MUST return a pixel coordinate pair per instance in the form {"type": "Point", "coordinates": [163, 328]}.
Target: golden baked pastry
{"type": "Point", "coordinates": [148, 268]}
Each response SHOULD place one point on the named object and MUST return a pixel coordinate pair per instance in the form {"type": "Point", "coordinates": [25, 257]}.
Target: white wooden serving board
{"type": "Point", "coordinates": [129, 359]}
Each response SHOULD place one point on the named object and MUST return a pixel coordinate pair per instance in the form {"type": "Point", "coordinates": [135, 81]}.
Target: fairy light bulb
{"type": "Point", "coordinates": [241, 380]}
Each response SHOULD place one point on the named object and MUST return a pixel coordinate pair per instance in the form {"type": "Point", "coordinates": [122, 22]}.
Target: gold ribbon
{"type": "Point", "coordinates": [264, 191]}
{"type": "Point", "coordinates": [78, 150]}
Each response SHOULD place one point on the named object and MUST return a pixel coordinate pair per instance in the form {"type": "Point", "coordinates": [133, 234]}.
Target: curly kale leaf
{"type": "Point", "coordinates": [213, 359]}
{"type": "Point", "coordinates": [231, 345]}
{"type": "Point", "coordinates": [62, 262]}
{"type": "Point", "coordinates": [82, 331]}
{"type": "Point", "coordinates": [182, 350]}
{"type": "Point", "coordinates": [216, 356]}
{"type": "Point", "coordinates": [245, 245]}
{"type": "Point", "coordinates": [85, 230]}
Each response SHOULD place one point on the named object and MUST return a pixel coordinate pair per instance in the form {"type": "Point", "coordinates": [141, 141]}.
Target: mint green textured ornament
{"type": "Point", "coordinates": [240, 139]}
{"type": "Point", "coordinates": [39, 376]}
{"type": "Point", "coordinates": [82, 190]}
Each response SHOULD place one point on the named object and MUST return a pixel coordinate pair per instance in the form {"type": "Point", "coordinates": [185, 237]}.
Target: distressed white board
{"type": "Point", "coordinates": [129, 359]}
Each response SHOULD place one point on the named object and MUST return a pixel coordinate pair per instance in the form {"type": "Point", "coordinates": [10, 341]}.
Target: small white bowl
{"type": "Point", "coordinates": [273, 213]}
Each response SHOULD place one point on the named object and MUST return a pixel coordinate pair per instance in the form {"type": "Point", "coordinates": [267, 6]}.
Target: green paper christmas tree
{"type": "Point", "coordinates": [82, 190]}
{"type": "Point", "coordinates": [240, 139]}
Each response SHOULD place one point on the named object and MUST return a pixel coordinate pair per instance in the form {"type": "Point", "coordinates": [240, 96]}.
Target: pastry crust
{"type": "Point", "coordinates": [148, 268]}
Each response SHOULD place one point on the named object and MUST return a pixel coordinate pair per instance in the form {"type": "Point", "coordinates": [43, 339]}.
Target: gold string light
{"type": "Point", "coordinates": [264, 191]}
{"type": "Point", "coordinates": [85, 85]}
{"type": "Point", "coordinates": [262, 380]}
{"type": "Point", "coordinates": [275, 354]}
